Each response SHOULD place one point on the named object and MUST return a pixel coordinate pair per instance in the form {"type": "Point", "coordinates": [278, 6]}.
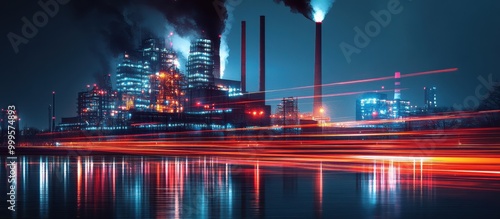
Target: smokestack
{"type": "Point", "coordinates": [216, 48]}
{"type": "Point", "coordinates": [53, 111]}
{"type": "Point", "coordinates": [50, 118]}
{"type": "Point", "coordinates": [397, 94]}
{"type": "Point", "coordinates": [318, 103]}
{"type": "Point", "coordinates": [397, 84]}
{"type": "Point", "coordinates": [262, 69]}
{"type": "Point", "coordinates": [425, 97]}
{"type": "Point", "coordinates": [243, 57]}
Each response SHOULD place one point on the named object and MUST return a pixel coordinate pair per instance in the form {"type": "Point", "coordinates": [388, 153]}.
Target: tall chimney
{"type": "Point", "coordinates": [53, 111]}
{"type": "Point", "coordinates": [50, 118]}
{"type": "Point", "coordinates": [397, 84]}
{"type": "Point", "coordinates": [318, 103]}
{"type": "Point", "coordinates": [243, 57]}
{"type": "Point", "coordinates": [397, 95]}
{"type": "Point", "coordinates": [216, 48]}
{"type": "Point", "coordinates": [262, 69]}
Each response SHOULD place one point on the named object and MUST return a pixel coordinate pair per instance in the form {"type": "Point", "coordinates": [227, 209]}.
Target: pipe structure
{"type": "Point", "coordinates": [243, 57]}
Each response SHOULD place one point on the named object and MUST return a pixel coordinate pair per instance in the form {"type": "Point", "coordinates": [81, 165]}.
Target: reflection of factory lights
{"type": "Point", "coordinates": [392, 158]}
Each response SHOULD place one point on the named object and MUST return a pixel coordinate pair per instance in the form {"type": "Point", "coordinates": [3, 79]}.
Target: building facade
{"type": "Point", "coordinates": [287, 112]}
{"type": "Point", "coordinates": [97, 107]}
{"type": "Point", "coordinates": [200, 66]}
{"type": "Point", "coordinates": [232, 87]}
{"type": "Point", "coordinates": [376, 106]}
{"type": "Point", "coordinates": [132, 82]}
{"type": "Point", "coordinates": [135, 72]}
{"type": "Point", "coordinates": [372, 106]}
{"type": "Point", "coordinates": [430, 98]}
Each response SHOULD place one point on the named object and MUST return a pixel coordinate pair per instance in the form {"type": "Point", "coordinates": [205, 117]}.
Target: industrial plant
{"type": "Point", "coordinates": [152, 93]}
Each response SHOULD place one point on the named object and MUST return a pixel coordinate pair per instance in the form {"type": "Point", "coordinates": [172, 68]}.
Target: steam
{"type": "Point", "coordinates": [182, 44]}
{"type": "Point", "coordinates": [154, 23]}
{"type": "Point", "coordinates": [224, 47]}
{"type": "Point", "coordinates": [123, 24]}
{"type": "Point", "coordinates": [320, 9]}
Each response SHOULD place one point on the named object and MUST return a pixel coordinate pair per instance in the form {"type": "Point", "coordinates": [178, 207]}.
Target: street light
{"type": "Point", "coordinates": [321, 118]}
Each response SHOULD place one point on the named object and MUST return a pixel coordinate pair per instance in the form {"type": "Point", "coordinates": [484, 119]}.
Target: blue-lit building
{"type": "Point", "coordinates": [157, 55]}
{"type": "Point", "coordinates": [97, 107]}
{"type": "Point", "coordinates": [132, 82]}
{"type": "Point", "coordinates": [372, 106]}
{"type": "Point", "coordinates": [135, 71]}
{"type": "Point", "coordinates": [97, 110]}
{"type": "Point", "coordinates": [399, 108]}
{"type": "Point", "coordinates": [430, 98]}
{"type": "Point", "coordinates": [232, 87]}
{"type": "Point", "coordinates": [376, 106]}
{"type": "Point", "coordinates": [200, 66]}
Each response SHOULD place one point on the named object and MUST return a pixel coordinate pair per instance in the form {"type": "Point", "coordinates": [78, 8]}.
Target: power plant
{"type": "Point", "coordinates": [152, 93]}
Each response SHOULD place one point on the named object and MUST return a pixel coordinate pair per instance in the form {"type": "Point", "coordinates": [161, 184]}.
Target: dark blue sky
{"type": "Point", "coordinates": [426, 35]}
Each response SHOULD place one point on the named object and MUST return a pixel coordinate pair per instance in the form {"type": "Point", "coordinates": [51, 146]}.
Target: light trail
{"type": "Point", "coordinates": [415, 74]}
{"type": "Point", "coordinates": [476, 156]}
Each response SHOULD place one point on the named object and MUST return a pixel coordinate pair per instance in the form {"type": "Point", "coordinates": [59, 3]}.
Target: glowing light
{"type": "Point", "coordinates": [320, 9]}
{"type": "Point", "coordinates": [177, 63]}
{"type": "Point", "coordinates": [319, 16]}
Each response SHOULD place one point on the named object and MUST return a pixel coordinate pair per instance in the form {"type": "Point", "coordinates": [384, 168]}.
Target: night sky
{"type": "Point", "coordinates": [79, 43]}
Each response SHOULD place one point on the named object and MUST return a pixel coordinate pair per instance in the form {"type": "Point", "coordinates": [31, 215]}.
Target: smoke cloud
{"type": "Point", "coordinates": [124, 23]}
{"type": "Point", "coordinates": [314, 10]}
{"type": "Point", "coordinates": [299, 6]}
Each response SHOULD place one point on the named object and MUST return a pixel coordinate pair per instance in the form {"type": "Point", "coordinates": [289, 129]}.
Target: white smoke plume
{"type": "Point", "coordinates": [224, 47]}
{"type": "Point", "coordinates": [321, 8]}
{"type": "Point", "coordinates": [151, 20]}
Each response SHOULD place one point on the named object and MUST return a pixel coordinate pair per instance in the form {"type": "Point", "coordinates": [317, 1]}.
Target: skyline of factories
{"type": "Point", "coordinates": [149, 79]}
{"type": "Point", "coordinates": [250, 109]}
{"type": "Point", "coordinates": [313, 16]}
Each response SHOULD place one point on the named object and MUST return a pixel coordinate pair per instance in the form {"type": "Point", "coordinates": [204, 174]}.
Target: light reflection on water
{"type": "Point", "coordinates": [211, 187]}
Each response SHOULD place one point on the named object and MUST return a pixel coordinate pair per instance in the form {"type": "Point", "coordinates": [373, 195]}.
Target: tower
{"type": "Point", "coordinates": [430, 98]}
{"type": "Point", "coordinates": [318, 102]}
{"type": "Point", "coordinates": [200, 66]}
